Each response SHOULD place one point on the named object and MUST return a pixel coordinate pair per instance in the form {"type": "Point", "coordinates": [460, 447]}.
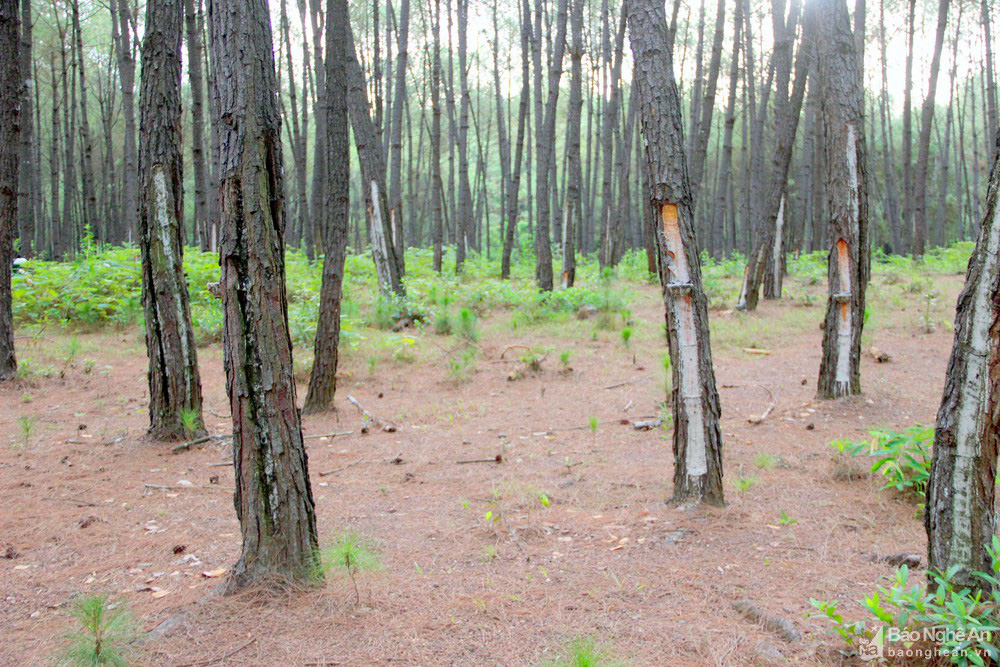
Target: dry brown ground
{"type": "Point", "coordinates": [608, 558]}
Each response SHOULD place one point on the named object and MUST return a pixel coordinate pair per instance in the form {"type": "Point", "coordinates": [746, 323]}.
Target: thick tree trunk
{"type": "Point", "coordinates": [174, 383]}
{"type": "Point", "coordinates": [11, 90]}
{"type": "Point", "coordinates": [323, 378]}
{"type": "Point", "coordinates": [26, 192]}
{"type": "Point", "coordinates": [696, 409]}
{"type": "Point", "coordinates": [923, 150]}
{"type": "Point", "coordinates": [388, 265]}
{"type": "Point", "coordinates": [960, 515]}
{"type": "Point", "coordinates": [847, 197]}
{"type": "Point", "coordinates": [273, 497]}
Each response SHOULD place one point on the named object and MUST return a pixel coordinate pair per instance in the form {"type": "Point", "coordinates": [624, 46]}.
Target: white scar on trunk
{"type": "Point", "coordinates": [379, 249]}
{"type": "Point", "coordinates": [973, 399]}
{"type": "Point", "coordinates": [687, 342]}
{"type": "Point", "coordinates": [845, 328]}
{"type": "Point", "coordinates": [779, 225]}
{"type": "Point", "coordinates": [166, 235]}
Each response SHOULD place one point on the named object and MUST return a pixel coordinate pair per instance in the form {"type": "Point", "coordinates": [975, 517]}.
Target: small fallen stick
{"type": "Point", "coordinates": [758, 420]}
{"type": "Point", "coordinates": [512, 347]}
{"type": "Point", "coordinates": [756, 350]}
{"type": "Point", "coordinates": [327, 435]}
{"type": "Point", "coordinates": [336, 470]}
{"type": "Point", "coordinates": [197, 441]}
{"type": "Point", "coordinates": [496, 459]}
{"type": "Point", "coordinates": [388, 427]}
{"type": "Point", "coordinates": [164, 487]}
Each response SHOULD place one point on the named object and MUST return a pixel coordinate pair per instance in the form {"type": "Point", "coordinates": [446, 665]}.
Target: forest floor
{"type": "Point", "coordinates": [483, 563]}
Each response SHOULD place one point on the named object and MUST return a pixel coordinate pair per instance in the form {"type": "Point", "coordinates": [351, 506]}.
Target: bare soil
{"type": "Point", "coordinates": [607, 558]}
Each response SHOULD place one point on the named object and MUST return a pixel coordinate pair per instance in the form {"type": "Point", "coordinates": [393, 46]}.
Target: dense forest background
{"type": "Point", "coordinates": [79, 144]}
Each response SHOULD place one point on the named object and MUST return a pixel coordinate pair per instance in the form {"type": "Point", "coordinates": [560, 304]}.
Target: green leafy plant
{"type": "Point", "coordinates": [786, 520]}
{"type": "Point", "coordinates": [745, 482]}
{"type": "Point", "coordinates": [593, 423]}
{"type": "Point", "coordinates": [626, 336]}
{"type": "Point", "coordinates": [350, 554]}
{"type": "Point", "coordinates": [468, 326]}
{"type": "Point", "coordinates": [191, 420]}
{"type": "Point", "coordinates": [105, 634]}
{"type": "Point", "coordinates": [903, 459]}
{"type": "Point", "coordinates": [764, 461]}
{"type": "Point", "coordinates": [963, 623]}
{"type": "Point", "coordinates": [583, 652]}
{"type": "Point", "coordinates": [71, 350]}
{"type": "Point", "coordinates": [564, 359]}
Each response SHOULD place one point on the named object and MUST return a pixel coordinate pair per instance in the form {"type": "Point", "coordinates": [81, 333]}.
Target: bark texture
{"type": "Point", "coordinates": [695, 401]}
{"type": "Point", "coordinates": [10, 105]}
{"type": "Point", "coordinates": [960, 515]}
{"type": "Point", "coordinates": [174, 383]}
{"type": "Point", "coordinates": [847, 199]}
{"type": "Point", "coordinates": [323, 377]}
{"type": "Point", "coordinates": [273, 497]}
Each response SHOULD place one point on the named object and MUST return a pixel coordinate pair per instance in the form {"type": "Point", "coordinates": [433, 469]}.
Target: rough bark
{"type": "Point", "coordinates": [697, 439]}
{"type": "Point", "coordinates": [124, 37]}
{"type": "Point", "coordinates": [87, 156]}
{"type": "Point", "coordinates": [174, 383]}
{"type": "Point", "coordinates": [463, 213]}
{"type": "Point", "coordinates": [923, 150]}
{"type": "Point", "coordinates": [323, 377]}
{"type": "Point", "coordinates": [847, 198]}
{"type": "Point", "coordinates": [11, 89]}
{"type": "Point", "coordinates": [437, 187]}
{"type": "Point", "coordinates": [522, 118]}
{"type": "Point", "coordinates": [196, 81]}
{"type": "Point", "coordinates": [704, 126]}
{"type": "Point", "coordinates": [609, 234]}
{"type": "Point", "coordinates": [396, 140]}
{"type": "Point", "coordinates": [720, 247]}
{"type": "Point", "coordinates": [960, 515]}
{"type": "Point", "coordinates": [26, 191]}
{"type": "Point", "coordinates": [273, 497]}
{"type": "Point", "coordinates": [387, 263]}
{"type": "Point", "coordinates": [574, 175]}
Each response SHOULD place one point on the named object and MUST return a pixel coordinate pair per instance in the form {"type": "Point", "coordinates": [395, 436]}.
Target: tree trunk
{"type": "Point", "coordinates": [923, 150]}
{"type": "Point", "coordinates": [323, 378]}
{"type": "Point", "coordinates": [992, 120]}
{"type": "Point", "coordinates": [574, 166]}
{"type": "Point", "coordinates": [273, 498]}
{"type": "Point", "coordinates": [26, 192]}
{"type": "Point", "coordinates": [87, 161]}
{"type": "Point", "coordinates": [545, 133]}
{"type": "Point", "coordinates": [123, 37]}
{"type": "Point", "coordinates": [847, 197]}
{"type": "Point", "coordinates": [908, 125]}
{"type": "Point", "coordinates": [704, 127]}
{"type": "Point", "coordinates": [463, 213]}
{"type": "Point", "coordinates": [396, 141]}
{"type": "Point", "coordinates": [194, 52]}
{"type": "Point", "coordinates": [609, 235]}
{"type": "Point", "coordinates": [11, 90]}
{"type": "Point", "coordinates": [437, 186]}
{"type": "Point", "coordinates": [388, 264]}
{"type": "Point", "coordinates": [522, 117]}
{"type": "Point", "coordinates": [726, 166]}
{"type": "Point", "coordinates": [960, 516]}
{"type": "Point", "coordinates": [174, 383]}
{"type": "Point", "coordinates": [696, 409]}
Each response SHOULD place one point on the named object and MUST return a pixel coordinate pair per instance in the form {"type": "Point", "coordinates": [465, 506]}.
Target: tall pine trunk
{"type": "Point", "coordinates": [847, 197]}
{"type": "Point", "coordinates": [273, 497]}
{"type": "Point", "coordinates": [696, 409]}
{"type": "Point", "coordinates": [174, 383]}
{"type": "Point", "coordinates": [11, 89]}
{"type": "Point", "coordinates": [960, 515]}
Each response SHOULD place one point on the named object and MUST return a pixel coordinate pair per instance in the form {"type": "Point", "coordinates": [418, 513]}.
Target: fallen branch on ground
{"type": "Point", "coordinates": [198, 441]}
{"type": "Point", "coordinates": [349, 465]}
{"type": "Point", "coordinates": [367, 415]}
{"type": "Point", "coordinates": [496, 459]}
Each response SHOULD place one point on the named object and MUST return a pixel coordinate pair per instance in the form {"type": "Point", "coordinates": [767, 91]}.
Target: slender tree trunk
{"type": "Point", "coordinates": [174, 383]}
{"type": "Point", "coordinates": [609, 236]}
{"type": "Point", "coordinates": [960, 515]}
{"type": "Point", "coordinates": [26, 193]}
{"type": "Point", "coordinates": [273, 497]}
{"type": "Point", "coordinates": [908, 126]}
{"type": "Point", "coordinates": [923, 151]}
{"type": "Point", "coordinates": [388, 264]}
{"type": "Point", "coordinates": [396, 140]}
{"type": "Point", "coordinates": [704, 127]}
{"type": "Point", "coordinates": [123, 36]}
{"type": "Point", "coordinates": [463, 213]}
{"type": "Point", "coordinates": [888, 159]}
{"type": "Point", "coordinates": [522, 117]}
{"type": "Point", "coordinates": [696, 409]}
{"type": "Point", "coordinates": [725, 168]}
{"type": "Point", "coordinates": [87, 162]}
{"type": "Point", "coordinates": [195, 78]}
{"type": "Point", "coordinates": [992, 124]}
{"type": "Point", "coordinates": [545, 131]}
{"type": "Point", "coordinates": [847, 196]}
{"type": "Point", "coordinates": [437, 186]}
{"type": "Point", "coordinates": [11, 91]}
{"type": "Point", "coordinates": [573, 164]}
{"type": "Point", "coordinates": [323, 378]}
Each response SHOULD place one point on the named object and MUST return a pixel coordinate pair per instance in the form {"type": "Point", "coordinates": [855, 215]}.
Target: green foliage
{"type": "Point", "coordinates": [626, 336]}
{"type": "Point", "coordinates": [104, 635]}
{"type": "Point", "coordinates": [903, 459]}
{"type": "Point", "coordinates": [786, 520]}
{"type": "Point", "coordinates": [468, 325]}
{"type": "Point", "coordinates": [745, 482]}
{"type": "Point", "coordinates": [963, 623]}
{"type": "Point", "coordinates": [564, 358]}
{"type": "Point", "coordinates": [461, 366]}
{"type": "Point", "coordinates": [593, 423]}
{"type": "Point", "coordinates": [27, 425]}
{"type": "Point", "coordinates": [191, 420]}
{"type": "Point", "coordinates": [764, 461]}
{"type": "Point", "coordinates": [350, 554]}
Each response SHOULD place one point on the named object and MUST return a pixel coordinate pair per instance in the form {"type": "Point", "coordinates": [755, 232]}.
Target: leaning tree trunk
{"type": "Point", "coordinates": [696, 409]}
{"type": "Point", "coordinates": [11, 87]}
{"type": "Point", "coordinates": [388, 265]}
{"type": "Point", "coordinates": [323, 378]}
{"type": "Point", "coordinates": [273, 497]}
{"type": "Point", "coordinates": [174, 384]}
{"type": "Point", "coordinates": [847, 197]}
{"type": "Point", "coordinates": [960, 515]}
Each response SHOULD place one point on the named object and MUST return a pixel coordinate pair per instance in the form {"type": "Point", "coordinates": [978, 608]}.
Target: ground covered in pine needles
{"type": "Point", "coordinates": [514, 512]}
